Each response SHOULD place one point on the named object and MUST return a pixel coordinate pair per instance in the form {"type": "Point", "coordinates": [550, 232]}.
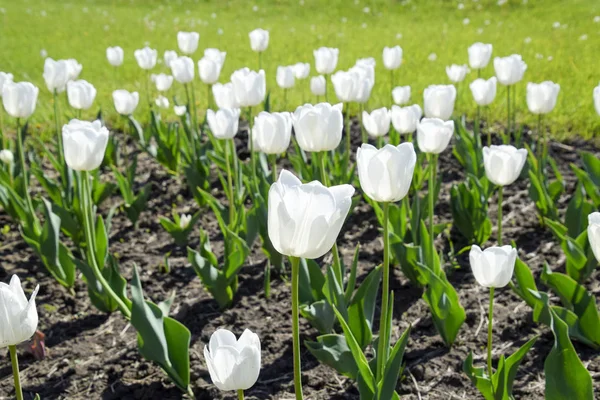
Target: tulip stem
{"type": "Point", "coordinates": [230, 184]}
{"type": "Point", "coordinates": [284, 99]}
{"type": "Point", "coordinates": [21, 151]}
{"type": "Point", "coordinates": [363, 133]}
{"type": "Point", "coordinates": [382, 351]}
{"type": "Point", "coordinates": [15, 367]}
{"type": "Point", "coordinates": [296, 327]}
{"type": "Point", "coordinates": [508, 120]}
{"type": "Point", "coordinates": [2, 135]}
{"type": "Point", "coordinates": [208, 92]}
{"type": "Point", "coordinates": [431, 189]}
{"type": "Point", "coordinates": [489, 343]}
{"type": "Point", "coordinates": [195, 119]}
{"type": "Point", "coordinates": [273, 158]}
{"type": "Point", "coordinates": [240, 392]}
{"type": "Point", "coordinates": [348, 136]}
{"type": "Point", "coordinates": [391, 80]}
{"type": "Point", "coordinates": [326, 81]}
{"type": "Point", "coordinates": [191, 112]}
{"type": "Point", "coordinates": [259, 60]}
{"type": "Point", "coordinates": [489, 130]}
{"type": "Point", "coordinates": [252, 155]}
{"type": "Point", "coordinates": [500, 195]}
{"type": "Point", "coordinates": [61, 155]}
{"type": "Point", "coordinates": [148, 89]}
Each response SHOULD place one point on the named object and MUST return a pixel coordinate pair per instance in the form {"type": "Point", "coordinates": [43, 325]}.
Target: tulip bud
{"type": "Point", "coordinates": [224, 96]}
{"type": "Point", "coordinates": [433, 135]}
{"type": "Point", "coordinates": [184, 221]}
{"type": "Point", "coordinates": [405, 119]}
{"type": "Point", "coordinates": [224, 122]}
{"type": "Point", "coordinates": [84, 144]}
{"type": "Point", "coordinates": [401, 95]}
{"type": "Point", "coordinates": [19, 99]}
{"type": "Point", "coordinates": [271, 132]}
{"type": "Point", "coordinates": [318, 85]}
{"type": "Point", "coordinates": [285, 77]}
{"type": "Point", "coordinates": [377, 123]}
{"type": "Point", "coordinates": [249, 87]}
{"type": "Point", "coordinates": [162, 102]}
{"type": "Point", "coordinates": [81, 94]}
{"type": "Point", "coordinates": [56, 74]}
{"type": "Point", "coordinates": [18, 317]}
{"type": "Point", "coordinates": [179, 110]}
{"type": "Point", "coordinates": [479, 55]}
{"type": "Point", "coordinates": [5, 77]}
{"type": "Point", "coordinates": [386, 174]}
{"type": "Point", "coordinates": [259, 40]}
{"type": "Point", "coordinates": [457, 73]}
{"type": "Point", "coordinates": [182, 69]}
{"type": "Point", "coordinates": [318, 127]}
{"type": "Point", "coordinates": [188, 41]}
{"type": "Point", "coordinates": [114, 55]}
{"type": "Point", "coordinates": [7, 156]}
{"type": "Point", "coordinates": [216, 55]}
{"type": "Point", "coordinates": [494, 266]}
{"type": "Point", "coordinates": [503, 164]}
{"type": "Point", "coordinates": [439, 101]}
{"type": "Point", "coordinates": [326, 59]}
{"type": "Point", "coordinates": [146, 57]}
{"type": "Point", "coordinates": [392, 57]}
{"type": "Point", "coordinates": [509, 70]}
{"type": "Point", "coordinates": [163, 82]}
{"type": "Point", "coordinates": [541, 97]}
{"type": "Point", "coordinates": [125, 102]}
{"type": "Point", "coordinates": [483, 91]}
{"type": "Point", "coordinates": [304, 220]}
{"type": "Point", "coordinates": [73, 69]}
{"type": "Point", "coordinates": [233, 364]}
{"type": "Point", "coordinates": [301, 70]}
{"type": "Point", "coordinates": [169, 56]}
{"type": "Point", "coordinates": [596, 98]}
{"type": "Point", "coordinates": [209, 70]}
{"type": "Point", "coordinates": [593, 231]}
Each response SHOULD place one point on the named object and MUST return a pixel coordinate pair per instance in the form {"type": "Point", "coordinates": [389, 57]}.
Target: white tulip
{"type": "Point", "coordinates": [593, 231]}
{"type": "Point", "coordinates": [162, 102]}
{"type": "Point", "coordinates": [392, 57]}
{"type": "Point", "coordinates": [216, 55]}
{"type": "Point", "coordinates": [483, 91]}
{"type": "Point", "coordinates": [503, 164]}
{"type": "Point", "coordinates": [184, 221]}
{"type": "Point", "coordinates": [479, 55]}
{"type": "Point", "coordinates": [233, 364]}
{"type": "Point", "coordinates": [405, 119]}
{"type": "Point", "coordinates": [494, 266]}
{"type": "Point", "coordinates": [56, 75]}
{"type": "Point", "coordinates": [509, 70]}
{"type": "Point", "coordinates": [318, 127]}
{"type": "Point", "coordinates": [271, 132]}
{"type": "Point", "coordinates": [301, 70]}
{"type": "Point", "coordinates": [386, 174]}
{"type": "Point", "coordinates": [224, 122]}
{"type": "Point", "coordinates": [344, 83]}
{"type": "Point", "coordinates": [364, 82]}
{"type": "Point", "coordinates": [19, 99]}
{"type": "Point", "coordinates": [73, 68]}
{"type": "Point", "coordinates": [249, 87]}
{"type": "Point", "coordinates": [259, 40]}
{"type": "Point", "coordinates": [84, 144]}
{"type": "Point", "coordinates": [304, 220]}
{"type": "Point", "coordinates": [224, 95]}
{"type": "Point", "coordinates": [433, 135]}
{"type": "Point", "coordinates": [541, 97]}
{"type": "Point", "coordinates": [163, 82]}
{"type": "Point", "coordinates": [146, 57]}
{"type": "Point", "coordinates": [457, 73]}
{"type": "Point", "coordinates": [188, 41]}
{"type": "Point", "coordinates": [596, 95]}
{"type": "Point", "coordinates": [401, 95]}
{"type": "Point", "coordinates": [438, 101]}
{"type": "Point", "coordinates": [182, 69]}
{"type": "Point", "coordinates": [18, 317]}
{"type": "Point", "coordinates": [169, 56]}
{"type": "Point", "coordinates": [209, 70]}
{"type": "Point", "coordinates": [114, 55]}
{"type": "Point", "coordinates": [125, 102]}
{"type": "Point", "coordinates": [326, 59]}
{"type": "Point", "coordinates": [377, 123]}
{"type": "Point", "coordinates": [5, 77]}
{"type": "Point", "coordinates": [285, 77]}
{"type": "Point", "coordinates": [81, 94]}
{"type": "Point", "coordinates": [318, 86]}
{"type": "Point", "coordinates": [179, 110]}
{"type": "Point", "coordinates": [7, 156]}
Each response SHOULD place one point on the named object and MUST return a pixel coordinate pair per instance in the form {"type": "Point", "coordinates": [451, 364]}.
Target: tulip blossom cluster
{"type": "Point", "coordinates": [354, 85]}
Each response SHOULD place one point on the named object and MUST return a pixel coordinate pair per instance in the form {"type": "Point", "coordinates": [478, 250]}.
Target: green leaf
{"type": "Point", "coordinates": [478, 377]}
{"type": "Point", "coordinates": [393, 368]}
{"type": "Point", "coordinates": [333, 350]}
{"type": "Point", "coordinates": [509, 370]}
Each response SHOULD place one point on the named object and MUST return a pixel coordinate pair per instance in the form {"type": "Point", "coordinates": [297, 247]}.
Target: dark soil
{"type": "Point", "coordinates": [92, 355]}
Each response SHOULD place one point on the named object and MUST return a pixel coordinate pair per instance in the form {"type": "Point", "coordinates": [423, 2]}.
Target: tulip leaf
{"type": "Point", "coordinates": [576, 216]}
{"type": "Point", "coordinates": [507, 371]}
{"type": "Point", "coordinates": [393, 368]}
{"type": "Point", "coordinates": [591, 164]}
{"type": "Point", "coordinates": [333, 350]}
{"type": "Point", "coordinates": [591, 188]}
{"type": "Point", "coordinates": [320, 315]}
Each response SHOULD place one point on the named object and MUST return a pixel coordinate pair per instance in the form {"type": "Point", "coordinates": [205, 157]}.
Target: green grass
{"type": "Point", "coordinates": [83, 30]}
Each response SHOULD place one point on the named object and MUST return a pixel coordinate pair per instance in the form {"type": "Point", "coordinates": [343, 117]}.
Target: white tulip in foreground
{"type": "Point", "coordinates": [19, 99]}
{"type": "Point", "coordinates": [81, 94]}
{"type": "Point", "coordinates": [479, 55]}
{"type": "Point", "coordinates": [224, 122]}
{"type": "Point", "coordinates": [509, 70]}
{"type": "Point", "coordinates": [7, 156]}
{"type": "Point", "coordinates": [386, 174]}
{"type": "Point", "coordinates": [494, 266]}
{"type": "Point", "coordinates": [401, 95]}
{"type": "Point", "coordinates": [484, 91]}
{"type": "Point", "coordinates": [285, 77]}
{"type": "Point", "coordinates": [271, 132]}
{"type": "Point", "coordinates": [5, 77]}
{"type": "Point", "coordinates": [56, 75]}
{"type": "Point", "coordinates": [188, 41]}
{"type": "Point", "coordinates": [224, 96]}
{"type": "Point", "coordinates": [593, 231]}
{"type": "Point", "coordinates": [433, 135]}
{"type": "Point", "coordinates": [84, 144]}
{"type": "Point", "coordinates": [318, 85]}
{"type": "Point", "coordinates": [438, 101]}
{"type": "Point", "coordinates": [249, 87]}
{"type": "Point", "coordinates": [319, 127]}
{"type": "Point", "coordinates": [392, 57]}
{"type": "Point", "coordinates": [114, 55]}
{"type": "Point", "coordinates": [377, 123]}
{"type": "Point", "coordinates": [326, 59]}
{"type": "Point", "coordinates": [125, 102]}
{"type": "Point", "coordinates": [541, 97]}
{"type": "Point", "coordinates": [304, 220]}
{"type": "Point", "coordinates": [405, 119]}
{"type": "Point", "coordinates": [456, 73]}
{"type": "Point", "coordinates": [259, 40]}
{"type": "Point", "coordinates": [182, 69]}
{"type": "Point", "coordinates": [503, 164]}
{"type": "Point", "coordinates": [146, 57]}
{"type": "Point", "coordinates": [233, 364]}
{"type": "Point", "coordinates": [163, 82]}
{"type": "Point", "coordinates": [18, 317]}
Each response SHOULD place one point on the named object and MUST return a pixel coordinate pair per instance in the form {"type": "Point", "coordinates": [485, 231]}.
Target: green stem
{"type": "Point", "coordinates": [431, 190]}
{"type": "Point", "coordinates": [284, 99]}
{"type": "Point", "coordinates": [148, 88]}
{"type": "Point", "coordinates": [325, 181]}
{"type": "Point", "coordinates": [296, 327]}
{"type": "Point", "coordinates": [363, 133]}
{"type": "Point", "coordinates": [208, 96]}
{"type": "Point", "coordinates": [348, 136]}
{"type": "Point", "coordinates": [391, 80]}
{"type": "Point", "coordinates": [252, 155]}
{"type": "Point", "coordinates": [191, 111]}
{"type": "Point", "coordinates": [259, 60]}
{"type": "Point", "coordinates": [489, 130]}
{"type": "Point", "coordinates": [273, 158]}
{"type": "Point", "coordinates": [21, 151]}
{"type": "Point", "coordinates": [195, 119]}
{"type": "Point", "coordinates": [500, 195]}
{"type": "Point", "coordinates": [240, 392]}
{"type": "Point", "coordinates": [61, 155]}
{"type": "Point", "coordinates": [382, 352]}
{"type": "Point", "coordinates": [326, 92]}
{"type": "Point", "coordinates": [2, 136]}
{"type": "Point", "coordinates": [230, 184]}
{"type": "Point", "coordinates": [490, 324]}
{"type": "Point", "coordinates": [507, 115]}
{"type": "Point", "coordinates": [15, 367]}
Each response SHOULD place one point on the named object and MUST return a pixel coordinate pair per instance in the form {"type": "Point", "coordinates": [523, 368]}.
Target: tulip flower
{"type": "Point", "coordinates": [593, 231]}
{"type": "Point", "coordinates": [439, 101]}
{"type": "Point", "coordinates": [318, 86]}
{"type": "Point", "coordinates": [271, 134]}
{"type": "Point", "coordinates": [19, 99]}
{"type": "Point", "coordinates": [224, 122]}
{"type": "Point", "coordinates": [259, 40]}
{"type": "Point", "coordinates": [301, 70]}
{"type": "Point", "coordinates": [377, 123]}
{"type": "Point", "coordinates": [163, 82]}
{"type": "Point", "coordinates": [406, 119]}
{"type": "Point", "coordinates": [146, 57]}
{"type": "Point", "coordinates": [84, 143]}
{"type": "Point", "coordinates": [484, 91]}
{"type": "Point", "coordinates": [184, 221]}
{"type": "Point", "coordinates": [344, 83]}
{"type": "Point", "coordinates": [401, 95]}
{"type": "Point", "coordinates": [433, 135]}
{"type": "Point", "coordinates": [479, 55]}
{"type": "Point", "coordinates": [5, 77]}
{"type": "Point", "coordinates": [73, 68]}
{"type": "Point", "coordinates": [216, 55]}
{"type": "Point", "coordinates": [182, 69]}
{"type": "Point", "coordinates": [179, 110]}
{"type": "Point", "coordinates": [596, 95]}
{"type": "Point", "coordinates": [318, 128]}
{"type": "Point", "coordinates": [224, 96]}
{"type": "Point", "coordinates": [114, 55]}
{"type": "Point", "coordinates": [209, 70]}
{"type": "Point", "coordinates": [81, 94]}
{"type": "Point", "coordinates": [249, 87]}
{"type": "Point", "coordinates": [56, 75]}
{"type": "Point", "coordinates": [392, 57]}
{"type": "Point", "coordinates": [125, 102]}
{"type": "Point", "coordinates": [188, 41]}
{"type": "Point", "coordinates": [509, 70]}
{"type": "Point", "coordinates": [457, 73]}
{"type": "Point", "coordinates": [285, 77]}
{"type": "Point", "coordinates": [18, 319]}
{"type": "Point", "coordinates": [233, 364]}
{"type": "Point", "coordinates": [7, 157]}
{"type": "Point", "coordinates": [326, 60]}
{"type": "Point", "coordinates": [541, 99]}
{"type": "Point", "coordinates": [162, 102]}
{"type": "Point", "coordinates": [169, 56]}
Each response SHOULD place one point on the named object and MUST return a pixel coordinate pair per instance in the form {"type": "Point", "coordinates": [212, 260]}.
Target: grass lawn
{"type": "Point", "coordinates": [83, 30]}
